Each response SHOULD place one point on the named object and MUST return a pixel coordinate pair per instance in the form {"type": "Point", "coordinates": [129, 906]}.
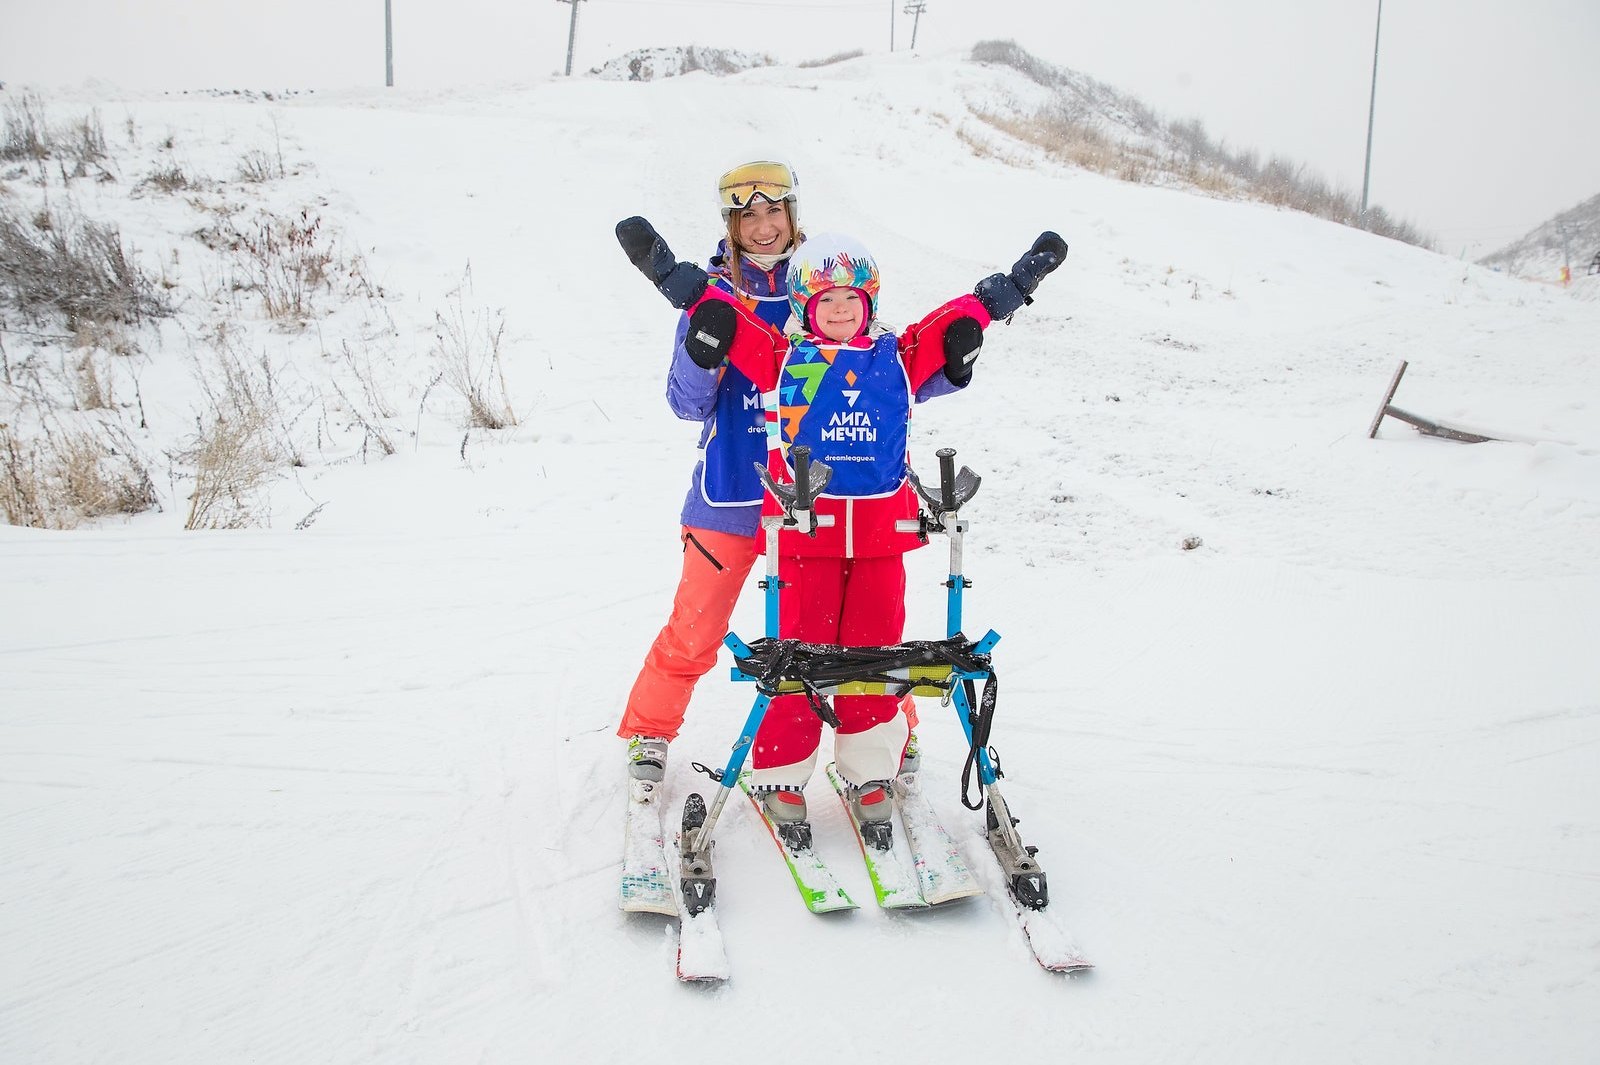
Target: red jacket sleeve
{"type": "Point", "coordinates": [758, 349]}
{"type": "Point", "coordinates": [922, 345]}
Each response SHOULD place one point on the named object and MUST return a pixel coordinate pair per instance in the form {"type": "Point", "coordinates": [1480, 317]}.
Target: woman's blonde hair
{"type": "Point", "coordinates": [734, 260]}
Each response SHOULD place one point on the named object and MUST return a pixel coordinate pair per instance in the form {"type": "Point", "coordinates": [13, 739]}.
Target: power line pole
{"type": "Point", "coordinates": [916, 8]}
{"type": "Point", "coordinates": [572, 32]}
{"type": "Point", "coordinates": [1372, 109]}
{"type": "Point", "coordinates": [388, 44]}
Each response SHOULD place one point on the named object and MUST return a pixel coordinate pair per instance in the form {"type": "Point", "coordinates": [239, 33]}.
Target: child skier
{"type": "Point", "coordinates": [844, 388]}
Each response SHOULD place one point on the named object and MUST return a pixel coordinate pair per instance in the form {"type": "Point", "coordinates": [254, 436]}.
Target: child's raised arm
{"type": "Point", "coordinates": [951, 337]}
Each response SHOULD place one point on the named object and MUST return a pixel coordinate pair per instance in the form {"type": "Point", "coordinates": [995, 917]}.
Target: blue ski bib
{"type": "Point", "coordinates": [737, 441]}
{"type": "Point", "coordinates": [851, 407]}
{"type": "Point", "coordinates": [737, 444]}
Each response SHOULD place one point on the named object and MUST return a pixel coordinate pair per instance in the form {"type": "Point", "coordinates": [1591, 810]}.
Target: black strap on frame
{"type": "Point", "coordinates": [818, 666]}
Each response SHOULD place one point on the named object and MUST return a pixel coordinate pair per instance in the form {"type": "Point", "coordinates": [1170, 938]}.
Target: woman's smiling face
{"type": "Point", "coordinates": [764, 228]}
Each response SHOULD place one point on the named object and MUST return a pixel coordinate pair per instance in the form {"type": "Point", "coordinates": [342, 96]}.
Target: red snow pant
{"type": "Point", "coordinates": [715, 565]}
{"type": "Point", "coordinates": [852, 602]}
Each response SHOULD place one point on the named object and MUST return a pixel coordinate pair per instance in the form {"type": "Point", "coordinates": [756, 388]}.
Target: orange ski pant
{"type": "Point", "coordinates": [715, 565]}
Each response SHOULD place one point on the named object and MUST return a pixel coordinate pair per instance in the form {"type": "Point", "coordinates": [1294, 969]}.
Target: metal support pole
{"type": "Point", "coordinates": [915, 9]}
{"type": "Point", "coordinates": [891, 24]}
{"type": "Point", "coordinates": [1372, 109]}
{"type": "Point", "coordinates": [388, 43]}
{"type": "Point", "coordinates": [572, 32]}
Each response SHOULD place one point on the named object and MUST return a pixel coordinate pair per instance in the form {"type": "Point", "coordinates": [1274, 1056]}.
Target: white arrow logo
{"type": "Point", "coordinates": [852, 395]}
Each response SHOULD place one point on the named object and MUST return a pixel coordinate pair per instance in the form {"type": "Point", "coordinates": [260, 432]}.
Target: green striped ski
{"type": "Point", "coordinates": [893, 883]}
{"type": "Point", "coordinates": [818, 889]}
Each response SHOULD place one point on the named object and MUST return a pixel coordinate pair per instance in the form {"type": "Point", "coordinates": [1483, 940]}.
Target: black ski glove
{"type": "Point", "coordinates": [962, 342]}
{"type": "Point", "coordinates": [1002, 294]}
{"type": "Point", "coordinates": [711, 328]}
{"type": "Point", "coordinates": [681, 283]}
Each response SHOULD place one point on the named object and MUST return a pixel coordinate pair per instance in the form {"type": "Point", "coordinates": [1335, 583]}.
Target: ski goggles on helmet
{"type": "Point", "coordinates": [768, 180]}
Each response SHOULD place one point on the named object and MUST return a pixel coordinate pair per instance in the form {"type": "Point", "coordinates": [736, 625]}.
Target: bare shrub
{"type": "Point", "coordinates": [1013, 55]}
{"type": "Point", "coordinates": [74, 267]}
{"type": "Point", "coordinates": [840, 57]}
{"type": "Point", "coordinates": [374, 432]}
{"type": "Point", "coordinates": [468, 356]}
{"type": "Point", "coordinates": [257, 167]}
{"type": "Point", "coordinates": [67, 476]}
{"type": "Point", "coordinates": [373, 409]}
{"type": "Point", "coordinates": [112, 337]}
{"type": "Point", "coordinates": [169, 179]}
{"type": "Point", "coordinates": [92, 386]}
{"type": "Point", "coordinates": [1063, 136]}
{"type": "Point", "coordinates": [100, 473]}
{"type": "Point", "coordinates": [26, 134]}
{"type": "Point", "coordinates": [22, 492]}
{"type": "Point", "coordinates": [288, 261]}
{"type": "Point", "coordinates": [230, 469]}
{"type": "Point", "coordinates": [235, 452]}
{"type": "Point", "coordinates": [86, 140]}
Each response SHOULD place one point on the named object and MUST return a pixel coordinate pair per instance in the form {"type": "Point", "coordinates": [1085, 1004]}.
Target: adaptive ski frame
{"type": "Point", "coordinates": [951, 684]}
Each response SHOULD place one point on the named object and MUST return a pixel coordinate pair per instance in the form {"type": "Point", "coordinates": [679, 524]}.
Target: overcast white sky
{"type": "Point", "coordinates": [1488, 111]}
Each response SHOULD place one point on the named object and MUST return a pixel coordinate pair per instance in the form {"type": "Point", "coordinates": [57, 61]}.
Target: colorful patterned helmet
{"type": "Point", "coordinates": [829, 260]}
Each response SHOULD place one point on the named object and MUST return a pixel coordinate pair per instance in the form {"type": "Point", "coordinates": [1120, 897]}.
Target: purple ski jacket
{"type": "Point", "coordinates": [724, 490]}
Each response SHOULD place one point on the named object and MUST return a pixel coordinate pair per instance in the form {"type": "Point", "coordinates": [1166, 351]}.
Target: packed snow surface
{"type": "Point", "coordinates": [1320, 789]}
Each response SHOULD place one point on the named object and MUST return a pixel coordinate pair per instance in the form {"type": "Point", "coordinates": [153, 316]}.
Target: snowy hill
{"type": "Point", "coordinates": [1573, 236]}
{"type": "Point", "coordinates": [1317, 790]}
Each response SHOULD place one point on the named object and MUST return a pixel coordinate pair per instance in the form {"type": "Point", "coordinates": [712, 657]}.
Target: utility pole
{"type": "Point", "coordinates": [1372, 108]}
{"type": "Point", "coordinates": [388, 43]}
{"type": "Point", "coordinates": [915, 8]}
{"type": "Point", "coordinates": [572, 32]}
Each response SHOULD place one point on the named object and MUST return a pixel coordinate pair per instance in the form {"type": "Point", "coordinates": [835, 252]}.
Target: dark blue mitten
{"type": "Point", "coordinates": [1002, 294]}
{"type": "Point", "coordinates": [681, 283]}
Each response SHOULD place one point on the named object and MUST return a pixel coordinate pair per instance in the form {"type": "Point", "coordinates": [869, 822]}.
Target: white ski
{"type": "Point", "coordinates": [647, 875]}
{"type": "Point", "coordinates": [943, 874]}
{"type": "Point", "coordinates": [701, 957]}
{"type": "Point", "coordinates": [1050, 941]}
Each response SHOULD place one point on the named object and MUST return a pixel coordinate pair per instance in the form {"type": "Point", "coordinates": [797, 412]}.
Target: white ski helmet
{"type": "Point", "coordinates": [831, 260]}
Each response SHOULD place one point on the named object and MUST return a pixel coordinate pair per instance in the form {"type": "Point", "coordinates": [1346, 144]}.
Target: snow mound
{"type": "Point", "coordinates": [650, 64]}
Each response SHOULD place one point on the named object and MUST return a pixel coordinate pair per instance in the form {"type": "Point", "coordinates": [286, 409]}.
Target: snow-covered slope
{"type": "Point", "coordinates": [1319, 790]}
{"type": "Point", "coordinates": [1570, 239]}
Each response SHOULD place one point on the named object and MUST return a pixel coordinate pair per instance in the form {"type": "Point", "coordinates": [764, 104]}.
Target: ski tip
{"type": "Point", "coordinates": [835, 902]}
{"type": "Point", "coordinates": [702, 979]}
{"type": "Point", "coordinates": [701, 957]}
{"type": "Point", "coordinates": [663, 907]}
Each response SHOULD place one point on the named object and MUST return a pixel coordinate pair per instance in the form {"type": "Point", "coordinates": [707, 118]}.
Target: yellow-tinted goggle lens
{"type": "Point", "coordinates": [772, 181]}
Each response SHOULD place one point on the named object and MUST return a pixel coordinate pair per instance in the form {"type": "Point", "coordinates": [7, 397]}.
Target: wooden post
{"type": "Point", "coordinates": [1422, 425]}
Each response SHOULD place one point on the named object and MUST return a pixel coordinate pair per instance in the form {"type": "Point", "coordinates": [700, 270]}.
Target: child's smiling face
{"type": "Point", "coordinates": [839, 314]}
